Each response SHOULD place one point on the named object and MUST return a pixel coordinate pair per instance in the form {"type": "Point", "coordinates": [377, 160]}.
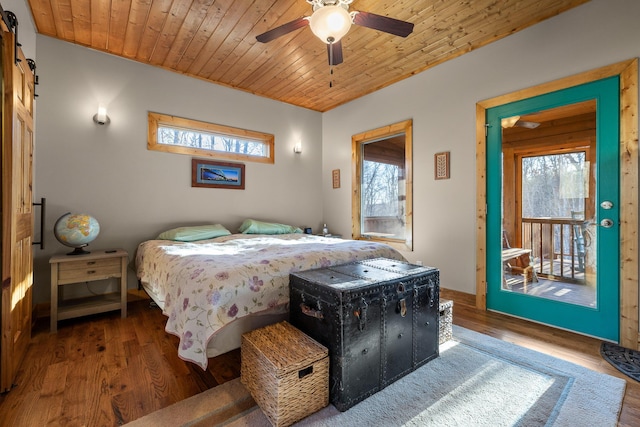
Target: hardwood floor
{"type": "Point", "coordinates": [106, 371]}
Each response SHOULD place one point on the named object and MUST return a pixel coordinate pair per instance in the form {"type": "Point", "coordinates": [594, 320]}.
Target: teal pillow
{"type": "Point", "coordinates": [251, 226]}
{"type": "Point", "coordinates": [191, 234]}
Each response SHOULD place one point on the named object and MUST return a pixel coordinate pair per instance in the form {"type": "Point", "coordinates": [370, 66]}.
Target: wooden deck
{"type": "Point", "coordinates": [574, 291]}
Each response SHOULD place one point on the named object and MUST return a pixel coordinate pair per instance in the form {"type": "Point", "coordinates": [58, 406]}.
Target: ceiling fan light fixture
{"type": "Point", "coordinates": [510, 122]}
{"type": "Point", "coordinates": [330, 23]}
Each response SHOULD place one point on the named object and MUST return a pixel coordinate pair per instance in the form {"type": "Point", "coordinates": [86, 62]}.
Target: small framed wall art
{"type": "Point", "coordinates": [441, 167]}
{"type": "Point", "coordinates": [212, 174]}
{"type": "Point", "coordinates": [335, 175]}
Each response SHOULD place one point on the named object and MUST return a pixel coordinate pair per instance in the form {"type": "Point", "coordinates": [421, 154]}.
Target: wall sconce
{"type": "Point", "coordinates": [298, 148]}
{"type": "Point", "coordinates": [101, 117]}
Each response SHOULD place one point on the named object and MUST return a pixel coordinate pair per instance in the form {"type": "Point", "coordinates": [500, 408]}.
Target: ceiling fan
{"type": "Point", "coordinates": [331, 20]}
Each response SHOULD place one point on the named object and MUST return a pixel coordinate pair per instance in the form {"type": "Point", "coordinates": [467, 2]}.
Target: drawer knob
{"type": "Point", "coordinates": [91, 262]}
{"type": "Point", "coordinates": [91, 271]}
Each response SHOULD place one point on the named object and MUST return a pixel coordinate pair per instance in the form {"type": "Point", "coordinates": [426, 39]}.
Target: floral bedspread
{"type": "Point", "coordinates": [208, 284]}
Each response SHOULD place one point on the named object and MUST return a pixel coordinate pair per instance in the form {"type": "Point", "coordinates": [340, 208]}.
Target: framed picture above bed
{"type": "Point", "coordinates": [213, 174]}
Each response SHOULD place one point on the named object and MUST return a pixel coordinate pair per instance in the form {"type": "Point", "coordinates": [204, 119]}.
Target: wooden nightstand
{"type": "Point", "coordinates": [98, 265]}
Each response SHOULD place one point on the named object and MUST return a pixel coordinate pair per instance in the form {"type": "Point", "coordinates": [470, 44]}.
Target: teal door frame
{"type": "Point", "coordinates": [603, 320]}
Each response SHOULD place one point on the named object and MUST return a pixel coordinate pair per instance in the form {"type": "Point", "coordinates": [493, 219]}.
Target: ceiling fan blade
{"type": "Point", "coordinates": [334, 50]}
{"type": "Point", "coordinates": [283, 29]}
{"type": "Point", "coordinates": [383, 23]}
{"type": "Point", "coordinates": [528, 125]}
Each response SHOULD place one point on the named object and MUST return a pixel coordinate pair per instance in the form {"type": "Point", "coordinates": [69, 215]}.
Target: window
{"type": "Point", "coordinates": [554, 185]}
{"type": "Point", "coordinates": [184, 136]}
{"type": "Point", "coordinates": [382, 185]}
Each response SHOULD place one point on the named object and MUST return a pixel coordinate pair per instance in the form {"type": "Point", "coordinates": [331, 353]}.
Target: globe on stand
{"type": "Point", "coordinates": [76, 231]}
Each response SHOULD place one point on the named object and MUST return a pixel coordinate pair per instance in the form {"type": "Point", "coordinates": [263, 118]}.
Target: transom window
{"type": "Point", "coordinates": [185, 136]}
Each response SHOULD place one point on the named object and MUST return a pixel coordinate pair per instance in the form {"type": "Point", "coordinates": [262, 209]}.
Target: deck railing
{"type": "Point", "coordinates": [557, 247]}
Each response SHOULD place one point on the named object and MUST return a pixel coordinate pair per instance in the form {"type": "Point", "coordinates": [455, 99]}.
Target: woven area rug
{"type": "Point", "coordinates": [623, 359]}
{"type": "Point", "coordinates": [477, 381]}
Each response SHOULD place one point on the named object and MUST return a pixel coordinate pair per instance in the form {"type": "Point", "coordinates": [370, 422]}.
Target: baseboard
{"type": "Point", "coordinates": [42, 310]}
{"type": "Point", "coordinates": [459, 297]}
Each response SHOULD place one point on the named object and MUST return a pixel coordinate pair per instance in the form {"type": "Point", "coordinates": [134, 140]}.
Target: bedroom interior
{"type": "Point", "coordinates": [441, 76]}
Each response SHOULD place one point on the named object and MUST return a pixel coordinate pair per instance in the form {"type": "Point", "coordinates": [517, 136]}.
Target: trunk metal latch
{"type": "Point", "coordinates": [361, 314]}
{"type": "Point", "coordinates": [401, 307]}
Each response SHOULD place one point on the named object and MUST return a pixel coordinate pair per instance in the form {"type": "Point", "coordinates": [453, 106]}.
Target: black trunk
{"type": "Point", "coordinates": [378, 318]}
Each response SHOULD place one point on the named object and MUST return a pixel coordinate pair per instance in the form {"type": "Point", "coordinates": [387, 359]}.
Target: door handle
{"type": "Point", "coordinates": [606, 223]}
{"type": "Point", "coordinates": [43, 206]}
{"type": "Point", "coordinates": [606, 205]}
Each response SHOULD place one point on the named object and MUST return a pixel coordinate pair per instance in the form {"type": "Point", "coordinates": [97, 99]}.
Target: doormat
{"type": "Point", "coordinates": [623, 359]}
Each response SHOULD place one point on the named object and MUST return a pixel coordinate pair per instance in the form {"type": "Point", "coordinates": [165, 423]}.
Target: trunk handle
{"type": "Point", "coordinates": [308, 311]}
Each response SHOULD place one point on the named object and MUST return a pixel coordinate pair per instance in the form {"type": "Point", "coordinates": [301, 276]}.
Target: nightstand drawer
{"type": "Point", "coordinates": [80, 271]}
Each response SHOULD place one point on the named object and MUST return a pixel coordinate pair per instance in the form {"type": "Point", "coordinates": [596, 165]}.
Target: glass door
{"type": "Point", "coordinates": [553, 239]}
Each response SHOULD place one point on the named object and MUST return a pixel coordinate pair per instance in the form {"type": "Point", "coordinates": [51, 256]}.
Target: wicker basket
{"type": "Point", "coordinates": [446, 320]}
{"type": "Point", "coordinates": [286, 372]}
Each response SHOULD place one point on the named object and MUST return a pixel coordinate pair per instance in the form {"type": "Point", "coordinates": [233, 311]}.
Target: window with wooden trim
{"type": "Point", "coordinates": [382, 185]}
{"type": "Point", "coordinates": [185, 136]}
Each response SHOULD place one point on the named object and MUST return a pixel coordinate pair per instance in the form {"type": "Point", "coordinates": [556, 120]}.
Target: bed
{"type": "Point", "coordinates": [214, 290]}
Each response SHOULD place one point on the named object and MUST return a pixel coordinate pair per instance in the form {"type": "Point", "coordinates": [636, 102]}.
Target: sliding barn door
{"type": "Point", "coordinates": [17, 216]}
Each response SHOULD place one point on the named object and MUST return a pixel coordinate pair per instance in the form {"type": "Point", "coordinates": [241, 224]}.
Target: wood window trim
{"type": "Point", "coordinates": [157, 119]}
{"type": "Point", "coordinates": [357, 140]}
{"type": "Point", "coordinates": [628, 73]}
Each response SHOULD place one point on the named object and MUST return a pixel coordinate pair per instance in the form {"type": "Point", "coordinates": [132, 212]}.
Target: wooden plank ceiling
{"type": "Point", "coordinates": [215, 40]}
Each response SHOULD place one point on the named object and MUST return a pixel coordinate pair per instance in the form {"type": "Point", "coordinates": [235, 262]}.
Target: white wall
{"type": "Point", "coordinates": [441, 101]}
{"type": "Point", "coordinates": [135, 193]}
